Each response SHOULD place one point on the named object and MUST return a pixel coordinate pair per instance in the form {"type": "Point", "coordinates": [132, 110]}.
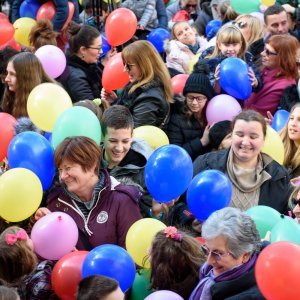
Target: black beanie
{"type": "Point", "coordinates": [218, 132]}
{"type": "Point", "coordinates": [198, 81]}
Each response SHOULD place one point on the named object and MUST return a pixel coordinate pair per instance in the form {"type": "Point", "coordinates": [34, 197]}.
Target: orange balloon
{"type": "Point", "coordinates": [178, 83]}
{"type": "Point", "coordinates": [7, 31]}
{"type": "Point", "coordinates": [120, 26]}
{"type": "Point", "coordinates": [12, 44]}
{"type": "Point", "coordinates": [7, 129]}
{"type": "Point", "coordinates": [114, 76]}
{"type": "Point", "coordinates": [66, 274]}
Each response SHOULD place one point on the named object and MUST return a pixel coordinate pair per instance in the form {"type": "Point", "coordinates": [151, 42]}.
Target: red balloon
{"type": "Point", "coordinates": [66, 274]}
{"type": "Point", "coordinates": [7, 132]}
{"type": "Point", "coordinates": [7, 31]}
{"type": "Point", "coordinates": [12, 44]}
{"type": "Point", "coordinates": [181, 15]}
{"type": "Point", "coordinates": [178, 83]}
{"type": "Point", "coordinates": [114, 76]}
{"type": "Point", "coordinates": [120, 26]}
{"type": "Point", "coordinates": [3, 17]}
{"type": "Point", "coordinates": [277, 271]}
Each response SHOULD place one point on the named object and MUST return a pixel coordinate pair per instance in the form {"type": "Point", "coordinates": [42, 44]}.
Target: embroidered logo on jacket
{"type": "Point", "coordinates": [102, 217]}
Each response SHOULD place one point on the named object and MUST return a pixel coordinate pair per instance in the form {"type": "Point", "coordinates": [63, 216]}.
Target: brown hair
{"type": "Point", "coordinates": [227, 13]}
{"type": "Point", "coordinates": [80, 150]}
{"type": "Point", "coordinates": [8, 293]}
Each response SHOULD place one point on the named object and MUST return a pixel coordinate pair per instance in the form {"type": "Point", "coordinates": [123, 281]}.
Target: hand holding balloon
{"type": "Point", "coordinates": [158, 208]}
{"type": "Point", "coordinates": [109, 96]}
{"type": "Point", "coordinates": [41, 212]}
{"type": "Point", "coordinates": [253, 79]}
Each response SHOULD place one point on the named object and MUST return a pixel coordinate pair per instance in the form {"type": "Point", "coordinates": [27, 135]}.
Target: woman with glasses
{"type": "Point", "coordinates": [294, 203]}
{"type": "Point", "coordinates": [231, 247]}
{"type": "Point", "coordinates": [279, 72]}
{"type": "Point", "coordinates": [188, 125]}
{"type": "Point", "coordinates": [82, 76]}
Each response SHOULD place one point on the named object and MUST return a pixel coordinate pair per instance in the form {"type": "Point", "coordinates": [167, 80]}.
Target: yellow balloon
{"type": "Point", "coordinates": [45, 104]}
{"type": "Point", "coordinates": [268, 2]}
{"type": "Point", "coordinates": [21, 194]}
{"type": "Point", "coordinates": [193, 62]}
{"type": "Point", "coordinates": [22, 30]}
{"type": "Point", "coordinates": [139, 239]}
{"type": "Point", "coordinates": [273, 145]}
{"type": "Point", "coordinates": [154, 136]}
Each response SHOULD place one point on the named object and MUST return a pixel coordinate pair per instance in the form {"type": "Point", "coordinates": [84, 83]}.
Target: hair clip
{"type": "Point", "coordinates": [12, 238]}
{"type": "Point", "coordinates": [171, 232]}
{"type": "Point", "coordinates": [97, 101]}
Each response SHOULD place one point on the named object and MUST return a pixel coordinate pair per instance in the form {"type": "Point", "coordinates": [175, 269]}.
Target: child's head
{"type": "Point", "coordinates": [174, 256]}
{"type": "Point", "coordinates": [184, 33]}
{"type": "Point", "coordinates": [7, 293]}
{"type": "Point", "coordinates": [99, 287]}
{"type": "Point", "coordinates": [230, 42]}
{"type": "Point", "coordinates": [16, 254]}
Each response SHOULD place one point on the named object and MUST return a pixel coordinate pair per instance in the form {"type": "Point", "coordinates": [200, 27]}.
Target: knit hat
{"type": "Point", "coordinates": [198, 81]}
{"type": "Point", "coordinates": [218, 132]}
{"type": "Point", "coordinates": [25, 124]}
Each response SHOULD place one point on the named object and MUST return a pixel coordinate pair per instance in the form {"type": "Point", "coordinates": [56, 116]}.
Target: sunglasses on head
{"type": "Point", "coordinates": [241, 25]}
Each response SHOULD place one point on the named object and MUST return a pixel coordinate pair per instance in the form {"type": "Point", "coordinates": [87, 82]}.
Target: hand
{"type": "Point", "coordinates": [254, 81]}
{"type": "Point", "coordinates": [140, 27]}
{"type": "Point", "coordinates": [288, 8]}
{"type": "Point", "coordinates": [269, 118]}
{"type": "Point", "coordinates": [109, 96]}
{"type": "Point", "coordinates": [41, 212]}
{"type": "Point", "coordinates": [157, 207]}
{"type": "Point", "coordinates": [217, 73]}
{"type": "Point", "coordinates": [205, 137]}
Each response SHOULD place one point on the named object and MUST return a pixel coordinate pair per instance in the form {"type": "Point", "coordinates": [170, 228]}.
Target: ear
{"type": "Point", "coordinates": [246, 257]}
{"type": "Point", "coordinates": [82, 51]}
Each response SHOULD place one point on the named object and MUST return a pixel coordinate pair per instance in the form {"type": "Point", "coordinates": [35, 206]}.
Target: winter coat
{"type": "Point", "coordinates": [274, 192]}
{"type": "Point", "coordinates": [81, 80]}
{"type": "Point", "coordinates": [256, 48]}
{"type": "Point", "coordinates": [161, 14]}
{"type": "Point", "coordinates": [114, 211]}
{"type": "Point", "coordinates": [130, 171]}
{"type": "Point", "coordinates": [147, 104]}
{"type": "Point", "coordinates": [289, 98]}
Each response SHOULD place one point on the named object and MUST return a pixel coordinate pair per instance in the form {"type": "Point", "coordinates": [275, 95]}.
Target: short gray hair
{"type": "Point", "coordinates": [236, 226]}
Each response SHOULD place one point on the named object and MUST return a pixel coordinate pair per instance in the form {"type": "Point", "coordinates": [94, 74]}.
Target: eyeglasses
{"type": "Point", "coordinates": [295, 201]}
{"type": "Point", "coordinates": [96, 48]}
{"type": "Point", "coordinates": [268, 52]}
{"type": "Point", "coordinates": [215, 255]}
{"type": "Point", "coordinates": [241, 24]}
{"type": "Point", "coordinates": [199, 99]}
{"type": "Point", "coordinates": [191, 5]}
{"type": "Point", "coordinates": [128, 66]}
{"type": "Point", "coordinates": [298, 64]}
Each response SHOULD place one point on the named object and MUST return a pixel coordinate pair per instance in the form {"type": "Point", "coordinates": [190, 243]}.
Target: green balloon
{"type": "Point", "coordinates": [245, 6]}
{"type": "Point", "coordinates": [264, 217]}
{"type": "Point", "coordinates": [76, 121]}
{"type": "Point", "coordinates": [140, 288]}
{"type": "Point", "coordinates": [286, 230]}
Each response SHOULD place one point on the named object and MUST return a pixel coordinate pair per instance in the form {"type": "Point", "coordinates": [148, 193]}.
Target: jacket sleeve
{"type": "Point", "coordinates": [161, 14]}
{"type": "Point", "coordinates": [15, 10]}
{"type": "Point", "coordinates": [199, 164]}
{"type": "Point", "coordinates": [148, 12]}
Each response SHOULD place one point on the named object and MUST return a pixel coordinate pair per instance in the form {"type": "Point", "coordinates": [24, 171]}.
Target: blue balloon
{"type": "Point", "coordinates": [168, 172]}
{"type": "Point", "coordinates": [29, 9]}
{"type": "Point", "coordinates": [280, 119]}
{"type": "Point", "coordinates": [212, 25]}
{"type": "Point", "coordinates": [48, 136]}
{"type": "Point", "coordinates": [32, 151]}
{"type": "Point", "coordinates": [209, 191]}
{"type": "Point", "coordinates": [105, 46]}
{"type": "Point", "coordinates": [111, 261]}
{"type": "Point", "coordinates": [157, 37]}
{"type": "Point", "coordinates": [234, 78]}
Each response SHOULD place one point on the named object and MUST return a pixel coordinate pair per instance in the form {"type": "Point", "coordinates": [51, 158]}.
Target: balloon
{"type": "Point", "coordinates": [157, 37]}
{"type": "Point", "coordinates": [268, 2]}
{"type": "Point", "coordinates": [53, 60]}
{"type": "Point", "coordinates": [140, 288]}
{"type": "Point", "coordinates": [45, 104]}
{"type": "Point", "coordinates": [105, 46]}
{"type": "Point", "coordinates": [12, 44]}
{"type": "Point", "coordinates": [193, 61]}
{"type": "Point", "coordinates": [7, 129]}
{"type": "Point", "coordinates": [245, 7]}
{"type": "Point", "coordinates": [76, 121]}
{"type": "Point", "coordinates": [273, 145]}
{"type": "Point", "coordinates": [66, 274]}
{"type": "Point", "coordinates": [3, 17]}
{"type": "Point", "coordinates": [21, 193]}
{"type": "Point", "coordinates": [209, 191]}
{"type": "Point", "coordinates": [114, 75]}
{"type": "Point", "coordinates": [112, 261]}
{"type": "Point", "coordinates": [6, 32]}
{"type": "Point", "coordinates": [54, 235]}
{"type": "Point", "coordinates": [280, 119]}
{"type": "Point", "coordinates": [221, 108]}
{"type": "Point", "coordinates": [286, 230]}
{"type": "Point", "coordinates": [168, 172]}
{"type": "Point", "coordinates": [277, 271]}
{"type": "Point", "coordinates": [23, 27]}
{"type": "Point", "coordinates": [265, 218]}
{"type": "Point", "coordinates": [29, 9]}
{"type": "Point", "coordinates": [139, 239]}
{"type": "Point", "coordinates": [154, 136]}
{"type": "Point", "coordinates": [178, 83]}
{"type": "Point", "coordinates": [164, 294]}
{"type": "Point", "coordinates": [181, 15]}
{"type": "Point", "coordinates": [120, 26]}
{"type": "Point", "coordinates": [32, 151]}
{"type": "Point", "coordinates": [233, 67]}
{"type": "Point", "coordinates": [212, 25]}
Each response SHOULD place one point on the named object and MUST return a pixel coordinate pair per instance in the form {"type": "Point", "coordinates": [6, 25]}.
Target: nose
{"type": "Point", "coordinates": [245, 140]}
{"type": "Point", "coordinates": [7, 78]}
{"type": "Point", "coordinates": [63, 174]}
{"type": "Point", "coordinates": [210, 259]}
{"type": "Point", "coordinates": [118, 147]}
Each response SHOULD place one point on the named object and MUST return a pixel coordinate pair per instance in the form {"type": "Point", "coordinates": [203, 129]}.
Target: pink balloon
{"type": "Point", "coordinates": [222, 107]}
{"type": "Point", "coordinates": [164, 294]}
{"type": "Point", "coordinates": [54, 235]}
{"type": "Point", "coordinates": [178, 83]}
{"type": "Point", "coordinates": [53, 60]}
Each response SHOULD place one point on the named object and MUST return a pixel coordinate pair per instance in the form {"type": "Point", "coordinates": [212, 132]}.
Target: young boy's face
{"type": "Point", "coordinates": [117, 143]}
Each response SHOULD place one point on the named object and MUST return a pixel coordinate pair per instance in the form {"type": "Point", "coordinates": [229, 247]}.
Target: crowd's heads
{"type": "Point", "coordinates": [226, 12]}
{"type": "Point", "coordinates": [5, 55]}
{"type": "Point", "coordinates": [220, 135]}
{"type": "Point", "coordinates": [276, 19]}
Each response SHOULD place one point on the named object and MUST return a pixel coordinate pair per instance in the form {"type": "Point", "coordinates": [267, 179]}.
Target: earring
{"type": "Point", "coordinates": [82, 56]}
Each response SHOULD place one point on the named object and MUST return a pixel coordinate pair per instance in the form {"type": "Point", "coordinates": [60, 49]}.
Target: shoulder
{"type": "Point", "coordinates": [142, 147]}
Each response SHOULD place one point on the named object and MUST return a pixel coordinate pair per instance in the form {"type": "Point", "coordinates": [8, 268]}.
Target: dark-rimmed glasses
{"type": "Point", "coordinates": [199, 99]}
{"type": "Point", "coordinates": [128, 66]}
{"type": "Point", "coordinates": [191, 6]}
{"type": "Point", "coordinates": [295, 201]}
{"type": "Point", "coordinates": [96, 48]}
{"type": "Point", "coordinates": [215, 255]}
{"type": "Point", "coordinates": [241, 24]}
{"type": "Point", "coordinates": [268, 52]}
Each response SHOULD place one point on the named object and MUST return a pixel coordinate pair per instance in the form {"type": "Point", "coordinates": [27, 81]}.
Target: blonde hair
{"type": "Point", "coordinates": [147, 59]}
{"type": "Point", "coordinates": [256, 27]}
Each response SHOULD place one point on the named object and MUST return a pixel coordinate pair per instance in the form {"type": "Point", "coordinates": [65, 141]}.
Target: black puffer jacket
{"type": "Point", "coordinates": [289, 98]}
{"type": "Point", "coordinates": [81, 80]}
{"type": "Point", "coordinates": [147, 104]}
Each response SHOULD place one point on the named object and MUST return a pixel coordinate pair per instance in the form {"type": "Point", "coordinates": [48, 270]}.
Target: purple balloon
{"type": "Point", "coordinates": [54, 235]}
{"type": "Point", "coordinates": [163, 295]}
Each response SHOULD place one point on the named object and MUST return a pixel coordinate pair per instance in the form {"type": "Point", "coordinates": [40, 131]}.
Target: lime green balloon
{"type": "Point", "coordinates": [76, 121]}
{"type": "Point", "coordinates": [265, 218]}
{"type": "Point", "coordinates": [286, 230]}
{"type": "Point", "coordinates": [140, 288]}
{"type": "Point", "coordinates": [245, 6]}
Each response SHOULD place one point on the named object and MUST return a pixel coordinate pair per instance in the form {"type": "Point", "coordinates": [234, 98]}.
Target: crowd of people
{"type": "Point", "coordinates": [102, 186]}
